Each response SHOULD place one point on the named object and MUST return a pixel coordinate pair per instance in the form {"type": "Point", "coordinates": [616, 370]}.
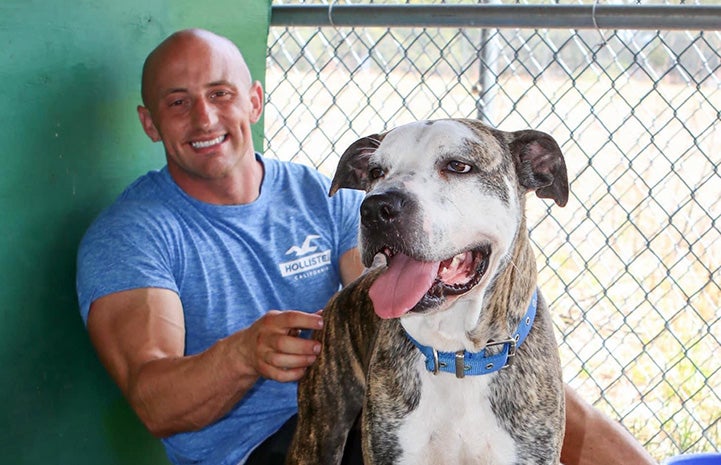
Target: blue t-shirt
{"type": "Point", "coordinates": [229, 265]}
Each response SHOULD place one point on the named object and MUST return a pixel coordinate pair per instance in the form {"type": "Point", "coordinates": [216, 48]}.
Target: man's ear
{"type": "Point", "coordinates": [256, 101]}
{"type": "Point", "coordinates": [147, 122]}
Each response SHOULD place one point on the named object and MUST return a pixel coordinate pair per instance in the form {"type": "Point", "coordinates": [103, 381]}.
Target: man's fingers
{"type": "Point", "coordinates": [292, 320]}
{"type": "Point", "coordinates": [289, 362]}
{"type": "Point", "coordinates": [295, 345]}
{"type": "Point", "coordinates": [284, 367]}
{"type": "Point", "coordinates": [285, 375]}
{"type": "Point", "coordinates": [281, 353]}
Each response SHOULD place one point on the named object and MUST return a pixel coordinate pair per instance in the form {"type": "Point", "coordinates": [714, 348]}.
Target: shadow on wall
{"type": "Point", "coordinates": [72, 142]}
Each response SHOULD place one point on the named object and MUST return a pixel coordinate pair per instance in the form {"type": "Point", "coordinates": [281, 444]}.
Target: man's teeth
{"type": "Point", "coordinates": [207, 143]}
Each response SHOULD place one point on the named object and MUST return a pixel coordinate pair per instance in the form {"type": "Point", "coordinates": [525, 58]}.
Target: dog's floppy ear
{"type": "Point", "coordinates": [540, 165]}
{"type": "Point", "coordinates": [352, 170]}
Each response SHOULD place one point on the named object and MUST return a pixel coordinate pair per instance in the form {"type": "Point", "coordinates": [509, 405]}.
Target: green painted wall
{"type": "Point", "coordinates": [69, 85]}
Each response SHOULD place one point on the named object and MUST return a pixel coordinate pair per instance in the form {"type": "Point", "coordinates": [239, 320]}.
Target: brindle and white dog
{"type": "Point", "coordinates": [447, 349]}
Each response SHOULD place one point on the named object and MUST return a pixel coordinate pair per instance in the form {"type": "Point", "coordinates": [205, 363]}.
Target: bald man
{"type": "Point", "coordinates": [181, 280]}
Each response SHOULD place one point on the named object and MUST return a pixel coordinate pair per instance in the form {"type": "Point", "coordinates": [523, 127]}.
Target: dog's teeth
{"type": "Point", "coordinates": [379, 260]}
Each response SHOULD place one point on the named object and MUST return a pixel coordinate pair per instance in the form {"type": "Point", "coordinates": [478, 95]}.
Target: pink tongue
{"type": "Point", "coordinates": [401, 286]}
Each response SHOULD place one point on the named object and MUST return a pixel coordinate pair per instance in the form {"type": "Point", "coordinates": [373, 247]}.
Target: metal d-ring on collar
{"type": "Point", "coordinates": [464, 363]}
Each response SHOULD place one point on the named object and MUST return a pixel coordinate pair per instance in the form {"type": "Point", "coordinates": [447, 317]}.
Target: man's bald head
{"type": "Point", "coordinates": [181, 44]}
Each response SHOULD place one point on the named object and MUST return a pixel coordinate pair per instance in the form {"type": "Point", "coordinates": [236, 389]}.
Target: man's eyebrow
{"type": "Point", "coordinates": [221, 82]}
{"type": "Point", "coordinates": [174, 90]}
{"type": "Point", "coordinates": [181, 90]}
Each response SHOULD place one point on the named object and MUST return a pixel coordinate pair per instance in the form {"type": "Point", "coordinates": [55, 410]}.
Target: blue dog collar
{"type": "Point", "coordinates": [464, 363]}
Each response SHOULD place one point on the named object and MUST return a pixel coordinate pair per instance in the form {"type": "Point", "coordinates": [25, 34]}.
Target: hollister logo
{"type": "Point", "coordinates": [308, 259]}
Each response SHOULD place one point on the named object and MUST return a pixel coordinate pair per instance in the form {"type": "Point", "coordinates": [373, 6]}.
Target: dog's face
{"type": "Point", "coordinates": [443, 205]}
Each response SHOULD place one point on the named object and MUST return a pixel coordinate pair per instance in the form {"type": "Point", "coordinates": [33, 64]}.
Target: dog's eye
{"type": "Point", "coordinates": [456, 166]}
{"type": "Point", "coordinates": [375, 173]}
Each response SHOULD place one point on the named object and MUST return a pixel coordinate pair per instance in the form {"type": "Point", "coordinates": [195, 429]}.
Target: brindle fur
{"type": "Point", "coordinates": [367, 364]}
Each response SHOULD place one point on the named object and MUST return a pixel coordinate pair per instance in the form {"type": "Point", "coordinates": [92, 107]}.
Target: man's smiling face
{"type": "Point", "coordinates": [200, 101]}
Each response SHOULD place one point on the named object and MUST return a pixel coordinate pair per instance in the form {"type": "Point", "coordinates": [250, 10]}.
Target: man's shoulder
{"type": "Point", "coordinates": [144, 201]}
{"type": "Point", "coordinates": [152, 186]}
{"type": "Point", "coordinates": [315, 185]}
{"type": "Point", "coordinates": [297, 171]}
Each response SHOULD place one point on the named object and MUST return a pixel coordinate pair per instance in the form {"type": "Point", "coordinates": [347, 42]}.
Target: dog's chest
{"type": "Point", "coordinates": [454, 424]}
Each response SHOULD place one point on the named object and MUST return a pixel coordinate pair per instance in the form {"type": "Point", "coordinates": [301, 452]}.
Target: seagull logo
{"type": "Point", "coordinates": [305, 248]}
{"type": "Point", "coordinates": [308, 261]}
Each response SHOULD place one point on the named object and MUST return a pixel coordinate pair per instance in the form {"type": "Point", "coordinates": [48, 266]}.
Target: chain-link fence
{"type": "Point", "coordinates": [631, 266]}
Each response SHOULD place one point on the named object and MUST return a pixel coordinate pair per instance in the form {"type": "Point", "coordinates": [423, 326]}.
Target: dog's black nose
{"type": "Point", "coordinates": [383, 208]}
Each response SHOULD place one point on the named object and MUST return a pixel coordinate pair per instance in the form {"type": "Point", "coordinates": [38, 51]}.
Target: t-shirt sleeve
{"type": "Point", "coordinates": [125, 248]}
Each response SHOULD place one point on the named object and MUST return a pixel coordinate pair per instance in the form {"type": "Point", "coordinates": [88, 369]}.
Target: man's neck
{"type": "Point", "coordinates": [240, 186]}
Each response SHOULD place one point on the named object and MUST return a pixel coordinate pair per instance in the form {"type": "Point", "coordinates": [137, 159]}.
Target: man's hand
{"type": "Point", "coordinates": [273, 347]}
{"type": "Point", "coordinates": [140, 336]}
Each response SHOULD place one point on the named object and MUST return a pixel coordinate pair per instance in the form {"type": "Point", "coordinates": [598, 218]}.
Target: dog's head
{"type": "Point", "coordinates": [444, 203]}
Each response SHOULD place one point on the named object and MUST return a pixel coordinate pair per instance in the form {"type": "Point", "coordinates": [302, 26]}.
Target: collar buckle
{"type": "Point", "coordinates": [461, 366]}
{"type": "Point", "coordinates": [436, 363]}
{"type": "Point", "coordinates": [511, 341]}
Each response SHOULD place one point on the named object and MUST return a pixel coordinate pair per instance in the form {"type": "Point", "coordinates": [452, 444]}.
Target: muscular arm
{"type": "Point", "coordinates": [594, 439]}
{"type": "Point", "coordinates": [139, 336]}
{"type": "Point", "coordinates": [350, 266]}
